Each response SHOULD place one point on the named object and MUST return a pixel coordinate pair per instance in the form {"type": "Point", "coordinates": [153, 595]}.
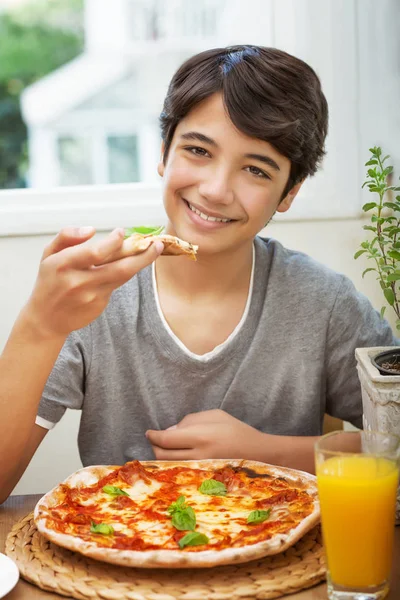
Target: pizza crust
{"type": "Point", "coordinates": [178, 558]}
{"type": "Point", "coordinates": [138, 243]}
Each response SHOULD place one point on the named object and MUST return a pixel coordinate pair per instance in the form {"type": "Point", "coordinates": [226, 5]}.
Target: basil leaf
{"type": "Point", "coordinates": [101, 528]}
{"type": "Point", "coordinates": [213, 488]}
{"type": "Point", "coordinates": [184, 520]}
{"type": "Point", "coordinates": [177, 505]}
{"type": "Point", "coordinates": [114, 491]}
{"type": "Point", "coordinates": [258, 516]}
{"type": "Point", "coordinates": [144, 230]}
{"type": "Point", "coordinates": [193, 539]}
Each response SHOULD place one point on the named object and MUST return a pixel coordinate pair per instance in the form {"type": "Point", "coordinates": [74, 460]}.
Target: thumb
{"type": "Point", "coordinates": [67, 237]}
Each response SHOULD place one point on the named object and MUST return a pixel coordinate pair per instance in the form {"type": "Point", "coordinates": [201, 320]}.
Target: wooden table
{"type": "Point", "coordinates": [18, 506]}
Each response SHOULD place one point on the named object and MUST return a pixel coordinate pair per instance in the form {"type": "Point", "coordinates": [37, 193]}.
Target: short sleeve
{"type": "Point", "coordinates": [354, 323]}
{"type": "Point", "coordinates": [65, 387]}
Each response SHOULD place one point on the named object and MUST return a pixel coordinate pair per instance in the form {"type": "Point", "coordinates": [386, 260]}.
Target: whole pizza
{"type": "Point", "coordinates": [180, 514]}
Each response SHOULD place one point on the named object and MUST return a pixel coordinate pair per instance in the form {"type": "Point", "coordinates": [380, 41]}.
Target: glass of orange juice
{"type": "Point", "coordinates": [357, 477]}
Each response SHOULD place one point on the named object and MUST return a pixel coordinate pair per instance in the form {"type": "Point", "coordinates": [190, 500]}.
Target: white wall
{"type": "Point", "coordinates": [332, 242]}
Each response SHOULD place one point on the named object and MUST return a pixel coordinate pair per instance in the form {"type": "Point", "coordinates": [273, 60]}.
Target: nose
{"type": "Point", "coordinates": [217, 187]}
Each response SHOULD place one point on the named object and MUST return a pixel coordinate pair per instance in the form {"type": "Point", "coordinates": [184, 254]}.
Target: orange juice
{"type": "Point", "coordinates": [358, 498]}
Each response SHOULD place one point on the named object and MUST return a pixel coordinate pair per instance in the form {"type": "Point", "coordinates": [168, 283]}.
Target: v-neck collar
{"type": "Point", "coordinates": [235, 342]}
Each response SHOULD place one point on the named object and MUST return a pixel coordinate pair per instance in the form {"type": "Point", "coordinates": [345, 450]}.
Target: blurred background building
{"type": "Point", "coordinates": [95, 119]}
{"type": "Point", "coordinates": [96, 72]}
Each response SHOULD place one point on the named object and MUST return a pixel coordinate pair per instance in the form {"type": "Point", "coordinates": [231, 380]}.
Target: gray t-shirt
{"type": "Point", "coordinates": [290, 362]}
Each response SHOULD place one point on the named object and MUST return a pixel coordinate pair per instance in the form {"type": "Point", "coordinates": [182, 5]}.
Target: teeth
{"type": "Point", "coordinates": [207, 217]}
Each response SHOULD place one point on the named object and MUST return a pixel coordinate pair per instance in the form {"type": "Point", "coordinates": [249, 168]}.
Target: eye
{"type": "Point", "coordinates": [258, 172]}
{"type": "Point", "coordinates": [197, 151]}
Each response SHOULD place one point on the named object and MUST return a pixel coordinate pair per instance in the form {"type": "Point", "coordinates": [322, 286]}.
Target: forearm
{"type": "Point", "coordinates": [25, 365]}
{"type": "Point", "coordinates": [297, 452]}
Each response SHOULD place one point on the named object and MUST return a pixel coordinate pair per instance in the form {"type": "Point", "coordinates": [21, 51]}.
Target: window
{"type": "Point", "coordinates": [123, 159]}
{"type": "Point", "coordinates": [75, 160]}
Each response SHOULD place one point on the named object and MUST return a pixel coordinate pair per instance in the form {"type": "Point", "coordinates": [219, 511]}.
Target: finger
{"type": "Point", "coordinates": [171, 438]}
{"type": "Point", "coordinates": [67, 237]}
{"type": "Point", "coordinates": [120, 271]}
{"type": "Point", "coordinates": [84, 257]}
{"type": "Point", "coordinates": [163, 454]}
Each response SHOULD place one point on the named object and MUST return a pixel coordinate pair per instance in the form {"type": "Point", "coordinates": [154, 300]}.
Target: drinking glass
{"type": "Point", "coordinates": [357, 478]}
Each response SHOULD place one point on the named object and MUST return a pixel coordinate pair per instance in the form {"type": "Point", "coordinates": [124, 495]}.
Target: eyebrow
{"type": "Point", "coordinates": [264, 159]}
{"type": "Point", "coordinates": [200, 137]}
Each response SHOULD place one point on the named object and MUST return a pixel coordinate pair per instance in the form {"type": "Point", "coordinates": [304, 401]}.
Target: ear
{"type": "Point", "coordinates": [286, 203]}
{"type": "Point", "coordinates": [161, 166]}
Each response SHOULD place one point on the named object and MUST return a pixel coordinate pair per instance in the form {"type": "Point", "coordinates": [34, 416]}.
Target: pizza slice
{"type": "Point", "coordinates": [138, 239]}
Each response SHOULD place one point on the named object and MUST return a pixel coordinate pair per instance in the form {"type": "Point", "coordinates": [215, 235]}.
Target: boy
{"type": "Point", "coordinates": [239, 354]}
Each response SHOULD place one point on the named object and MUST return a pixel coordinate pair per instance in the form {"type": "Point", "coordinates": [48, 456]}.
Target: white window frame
{"type": "Point", "coordinates": [36, 212]}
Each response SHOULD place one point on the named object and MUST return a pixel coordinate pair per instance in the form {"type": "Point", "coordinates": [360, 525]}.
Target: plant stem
{"type": "Point", "coordinates": [380, 238]}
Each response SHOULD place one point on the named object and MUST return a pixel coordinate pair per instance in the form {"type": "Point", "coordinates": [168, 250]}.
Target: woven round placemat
{"type": "Point", "coordinates": [56, 569]}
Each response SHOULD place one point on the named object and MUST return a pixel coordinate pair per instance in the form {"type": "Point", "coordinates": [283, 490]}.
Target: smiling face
{"type": "Point", "coordinates": [221, 186]}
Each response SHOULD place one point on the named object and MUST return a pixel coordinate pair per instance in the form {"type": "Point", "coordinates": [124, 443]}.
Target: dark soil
{"type": "Point", "coordinates": [392, 366]}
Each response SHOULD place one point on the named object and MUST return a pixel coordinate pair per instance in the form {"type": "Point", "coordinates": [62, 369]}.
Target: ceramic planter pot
{"type": "Point", "coordinates": [387, 362]}
{"type": "Point", "coordinates": [380, 396]}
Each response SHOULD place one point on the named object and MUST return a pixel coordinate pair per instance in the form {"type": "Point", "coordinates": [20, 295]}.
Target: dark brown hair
{"type": "Point", "coordinates": [268, 94]}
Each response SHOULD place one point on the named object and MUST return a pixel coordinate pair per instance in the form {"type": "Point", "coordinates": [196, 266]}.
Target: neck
{"type": "Point", "coordinates": [214, 274]}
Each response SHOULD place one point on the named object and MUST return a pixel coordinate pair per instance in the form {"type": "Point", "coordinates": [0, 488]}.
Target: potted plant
{"type": "Point", "coordinates": [379, 368]}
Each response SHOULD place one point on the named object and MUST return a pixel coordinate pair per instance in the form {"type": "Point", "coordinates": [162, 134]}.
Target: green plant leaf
{"type": "Point", "coordinates": [394, 231]}
{"type": "Point", "coordinates": [369, 206]}
{"type": "Point", "coordinates": [389, 295]}
{"type": "Point", "coordinates": [357, 254]}
{"type": "Point", "coordinates": [183, 516]}
{"type": "Point", "coordinates": [393, 277]}
{"type": "Point", "coordinates": [193, 539]}
{"type": "Point", "coordinates": [114, 491]}
{"type": "Point", "coordinates": [184, 520]}
{"type": "Point", "coordinates": [102, 528]}
{"type": "Point", "coordinates": [398, 324]}
{"type": "Point", "coordinates": [366, 270]}
{"type": "Point", "coordinates": [258, 516]}
{"type": "Point", "coordinates": [383, 309]}
{"type": "Point", "coordinates": [387, 268]}
{"type": "Point", "coordinates": [387, 171]}
{"type": "Point", "coordinates": [394, 254]}
{"type": "Point", "coordinates": [177, 505]}
{"type": "Point", "coordinates": [144, 230]}
{"type": "Point", "coordinates": [211, 487]}
{"type": "Point", "coordinates": [369, 228]}
{"type": "Point", "coordinates": [373, 161]}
